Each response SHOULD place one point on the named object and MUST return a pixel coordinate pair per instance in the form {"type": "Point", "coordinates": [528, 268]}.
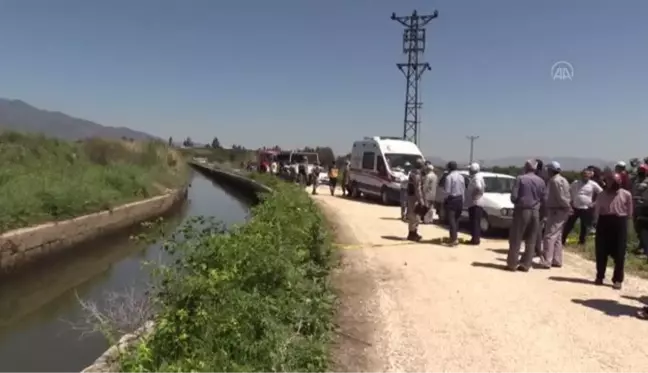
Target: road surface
{"type": "Point", "coordinates": [425, 307]}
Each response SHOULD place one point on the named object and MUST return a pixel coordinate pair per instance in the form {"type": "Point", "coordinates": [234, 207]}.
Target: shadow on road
{"type": "Point", "coordinates": [499, 251]}
{"type": "Point", "coordinates": [433, 241]}
{"type": "Point", "coordinates": [390, 218]}
{"type": "Point", "coordinates": [575, 280]}
{"type": "Point", "coordinates": [642, 299]}
{"type": "Point", "coordinates": [608, 307]}
{"type": "Point", "coordinates": [501, 267]}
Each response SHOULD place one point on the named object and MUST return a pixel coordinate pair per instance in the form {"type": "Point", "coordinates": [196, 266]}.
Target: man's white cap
{"type": "Point", "coordinates": [430, 167]}
{"type": "Point", "coordinates": [474, 167]}
{"type": "Point", "coordinates": [553, 165]}
{"type": "Point", "coordinates": [621, 164]}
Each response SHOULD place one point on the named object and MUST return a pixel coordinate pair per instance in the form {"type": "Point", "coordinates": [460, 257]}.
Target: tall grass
{"type": "Point", "coordinates": [45, 179]}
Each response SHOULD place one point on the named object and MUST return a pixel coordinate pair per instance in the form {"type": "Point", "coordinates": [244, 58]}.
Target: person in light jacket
{"type": "Point", "coordinates": [403, 190]}
{"type": "Point", "coordinates": [474, 202]}
{"type": "Point", "coordinates": [430, 184]}
{"type": "Point", "coordinates": [557, 210]}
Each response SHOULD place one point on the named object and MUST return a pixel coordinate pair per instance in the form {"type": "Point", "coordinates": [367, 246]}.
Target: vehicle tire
{"type": "Point", "coordinates": [484, 224]}
{"type": "Point", "coordinates": [355, 193]}
{"type": "Point", "coordinates": [384, 197]}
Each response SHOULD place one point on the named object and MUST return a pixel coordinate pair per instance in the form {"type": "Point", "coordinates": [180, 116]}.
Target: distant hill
{"type": "Point", "coordinates": [18, 115]}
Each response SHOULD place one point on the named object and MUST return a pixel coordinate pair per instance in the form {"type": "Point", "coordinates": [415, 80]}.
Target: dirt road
{"type": "Point", "coordinates": [424, 307]}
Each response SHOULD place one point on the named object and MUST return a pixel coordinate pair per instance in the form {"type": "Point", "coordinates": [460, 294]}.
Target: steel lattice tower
{"type": "Point", "coordinates": [413, 46]}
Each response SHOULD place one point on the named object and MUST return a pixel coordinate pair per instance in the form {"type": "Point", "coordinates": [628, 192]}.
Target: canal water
{"type": "Point", "coordinates": [39, 308]}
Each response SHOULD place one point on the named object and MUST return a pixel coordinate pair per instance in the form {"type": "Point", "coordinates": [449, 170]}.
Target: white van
{"type": "Point", "coordinates": [497, 206]}
{"type": "Point", "coordinates": [373, 162]}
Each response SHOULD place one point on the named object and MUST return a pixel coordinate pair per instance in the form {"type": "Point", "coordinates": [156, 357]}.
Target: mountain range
{"type": "Point", "coordinates": [18, 115]}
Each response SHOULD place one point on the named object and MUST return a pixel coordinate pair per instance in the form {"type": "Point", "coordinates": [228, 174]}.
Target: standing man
{"type": "Point", "coordinates": [583, 193]}
{"type": "Point", "coordinates": [540, 171]}
{"type": "Point", "coordinates": [415, 197]}
{"type": "Point", "coordinates": [345, 178]}
{"type": "Point", "coordinates": [403, 190]}
{"type": "Point", "coordinates": [315, 172]}
{"type": "Point", "coordinates": [455, 189]}
{"type": "Point", "coordinates": [333, 177]}
{"type": "Point", "coordinates": [474, 194]}
{"type": "Point", "coordinates": [621, 169]}
{"type": "Point", "coordinates": [640, 210]}
{"type": "Point", "coordinates": [430, 184]}
{"type": "Point", "coordinates": [527, 195]}
{"type": "Point", "coordinates": [557, 208]}
{"type": "Point", "coordinates": [613, 208]}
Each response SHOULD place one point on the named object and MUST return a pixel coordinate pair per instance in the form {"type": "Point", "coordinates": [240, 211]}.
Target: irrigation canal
{"type": "Point", "coordinates": [39, 307]}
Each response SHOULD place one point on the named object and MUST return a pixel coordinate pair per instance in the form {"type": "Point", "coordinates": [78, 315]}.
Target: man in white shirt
{"type": "Point", "coordinates": [474, 194]}
{"type": "Point", "coordinates": [583, 194]}
{"type": "Point", "coordinates": [403, 192]}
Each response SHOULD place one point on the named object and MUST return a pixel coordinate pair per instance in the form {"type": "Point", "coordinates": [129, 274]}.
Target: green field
{"type": "Point", "coordinates": [44, 179]}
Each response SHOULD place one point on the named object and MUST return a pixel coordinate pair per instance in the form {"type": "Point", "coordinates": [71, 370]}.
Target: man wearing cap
{"type": "Point", "coordinates": [583, 193]}
{"type": "Point", "coordinates": [621, 169]}
{"type": "Point", "coordinates": [455, 189]}
{"type": "Point", "coordinates": [527, 195]}
{"type": "Point", "coordinates": [474, 194]}
{"type": "Point", "coordinates": [640, 208]}
{"type": "Point", "coordinates": [557, 208]}
{"type": "Point", "coordinates": [430, 183]}
{"type": "Point", "coordinates": [403, 191]}
{"type": "Point", "coordinates": [415, 197]}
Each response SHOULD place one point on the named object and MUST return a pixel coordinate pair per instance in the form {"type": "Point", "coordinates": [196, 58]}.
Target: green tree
{"type": "Point", "coordinates": [170, 141]}
{"type": "Point", "coordinates": [215, 143]}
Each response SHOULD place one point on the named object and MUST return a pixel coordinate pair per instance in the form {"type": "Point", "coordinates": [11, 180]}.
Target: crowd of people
{"type": "Point", "coordinates": [546, 208]}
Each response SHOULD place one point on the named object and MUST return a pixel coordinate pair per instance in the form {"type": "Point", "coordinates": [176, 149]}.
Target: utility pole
{"type": "Point", "coordinates": [472, 146]}
{"type": "Point", "coordinates": [413, 46]}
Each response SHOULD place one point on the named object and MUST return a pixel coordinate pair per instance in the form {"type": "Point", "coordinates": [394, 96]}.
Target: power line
{"type": "Point", "coordinates": [413, 46]}
{"type": "Point", "coordinates": [472, 146]}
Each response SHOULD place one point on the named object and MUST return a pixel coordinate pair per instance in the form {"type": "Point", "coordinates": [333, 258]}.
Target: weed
{"type": "Point", "coordinates": [255, 298]}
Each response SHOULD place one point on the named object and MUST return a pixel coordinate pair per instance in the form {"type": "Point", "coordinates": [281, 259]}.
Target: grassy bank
{"type": "Point", "coordinates": [44, 179]}
{"type": "Point", "coordinates": [256, 298]}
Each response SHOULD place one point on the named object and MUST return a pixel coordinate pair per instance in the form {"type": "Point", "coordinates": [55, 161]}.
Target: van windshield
{"type": "Point", "coordinates": [399, 160]}
{"type": "Point", "coordinates": [496, 184]}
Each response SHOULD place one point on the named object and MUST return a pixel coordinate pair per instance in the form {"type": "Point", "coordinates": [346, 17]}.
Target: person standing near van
{"type": "Point", "coordinates": [557, 209]}
{"type": "Point", "coordinates": [315, 172]}
{"type": "Point", "coordinates": [475, 192]}
{"type": "Point", "coordinates": [415, 196]}
{"type": "Point", "coordinates": [430, 184]}
{"type": "Point", "coordinates": [403, 190]}
{"type": "Point", "coordinates": [333, 177]}
{"type": "Point", "coordinates": [346, 188]}
{"type": "Point", "coordinates": [455, 189]}
{"type": "Point", "coordinates": [527, 196]}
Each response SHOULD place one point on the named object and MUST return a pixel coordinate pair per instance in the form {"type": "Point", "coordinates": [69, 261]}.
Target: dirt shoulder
{"type": "Point", "coordinates": [424, 307]}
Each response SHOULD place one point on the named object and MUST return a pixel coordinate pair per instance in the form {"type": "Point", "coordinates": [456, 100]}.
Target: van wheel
{"type": "Point", "coordinates": [484, 224]}
{"type": "Point", "coordinates": [384, 197]}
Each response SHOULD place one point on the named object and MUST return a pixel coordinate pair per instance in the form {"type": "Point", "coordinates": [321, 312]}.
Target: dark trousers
{"type": "Point", "coordinates": [586, 217]}
{"type": "Point", "coordinates": [641, 228]}
{"type": "Point", "coordinates": [453, 207]}
{"type": "Point", "coordinates": [611, 241]}
{"type": "Point", "coordinates": [474, 216]}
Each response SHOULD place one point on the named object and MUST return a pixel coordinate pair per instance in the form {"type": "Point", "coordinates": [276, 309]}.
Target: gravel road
{"type": "Point", "coordinates": [424, 307]}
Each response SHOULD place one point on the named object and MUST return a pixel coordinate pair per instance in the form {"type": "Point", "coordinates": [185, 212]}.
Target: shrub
{"type": "Point", "coordinates": [256, 298]}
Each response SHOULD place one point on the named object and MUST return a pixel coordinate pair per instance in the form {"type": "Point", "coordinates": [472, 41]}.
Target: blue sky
{"type": "Point", "coordinates": [300, 72]}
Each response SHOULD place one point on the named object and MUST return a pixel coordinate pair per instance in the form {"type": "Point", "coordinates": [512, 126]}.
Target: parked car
{"type": "Point", "coordinates": [497, 206]}
{"type": "Point", "coordinates": [374, 166]}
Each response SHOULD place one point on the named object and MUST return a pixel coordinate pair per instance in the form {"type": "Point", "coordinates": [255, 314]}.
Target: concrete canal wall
{"type": "Point", "coordinates": [231, 178]}
{"type": "Point", "coordinates": [28, 245]}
